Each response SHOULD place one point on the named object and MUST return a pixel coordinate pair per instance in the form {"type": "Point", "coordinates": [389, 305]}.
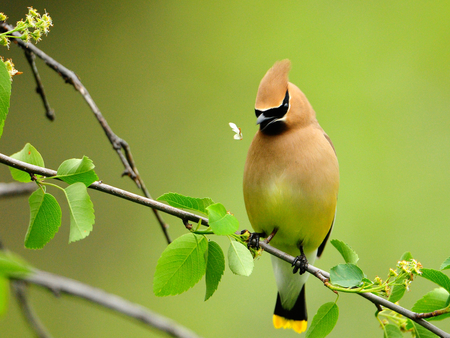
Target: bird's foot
{"type": "Point", "coordinates": [300, 263]}
{"type": "Point", "coordinates": [252, 238]}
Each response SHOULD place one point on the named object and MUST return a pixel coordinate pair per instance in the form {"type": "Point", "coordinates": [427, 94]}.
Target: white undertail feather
{"type": "Point", "coordinates": [288, 284]}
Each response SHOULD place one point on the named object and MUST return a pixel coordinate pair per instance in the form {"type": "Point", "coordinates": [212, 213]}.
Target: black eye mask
{"type": "Point", "coordinates": [276, 112]}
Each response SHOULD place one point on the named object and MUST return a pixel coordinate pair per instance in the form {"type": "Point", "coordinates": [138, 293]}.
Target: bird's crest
{"type": "Point", "coordinates": [273, 86]}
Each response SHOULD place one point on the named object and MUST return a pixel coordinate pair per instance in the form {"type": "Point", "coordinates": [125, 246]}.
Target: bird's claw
{"type": "Point", "coordinates": [302, 266]}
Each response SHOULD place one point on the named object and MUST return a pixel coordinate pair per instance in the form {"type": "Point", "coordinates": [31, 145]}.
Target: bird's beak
{"type": "Point", "coordinates": [261, 118]}
{"type": "Point", "coordinates": [265, 121]}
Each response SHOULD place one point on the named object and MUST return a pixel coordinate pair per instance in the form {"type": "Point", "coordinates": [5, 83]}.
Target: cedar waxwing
{"type": "Point", "coordinates": [291, 182]}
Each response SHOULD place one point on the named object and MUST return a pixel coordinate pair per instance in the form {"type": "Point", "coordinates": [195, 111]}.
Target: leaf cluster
{"type": "Point", "coordinates": [45, 212]}
{"type": "Point", "coordinates": [190, 257]}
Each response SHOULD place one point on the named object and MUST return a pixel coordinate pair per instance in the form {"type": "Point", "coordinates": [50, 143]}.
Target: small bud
{"type": "Point", "coordinates": [392, 273]}
{"type": "Point", "coordinates": [3, 17]}
{"type": "Point", "coordinates": [25, 36]}
{"type": "Point", "coordinates": [378, 281]}
{"type": "Point", "coordinates": [21, 25]}
{"type": "Point", "coordinates": [10, 68]}
{"type": "Point", "coordinates": [36, 35]}
{"type": "Point", "coordinates": [30, 21]}
{"type": "Point", "coordinates": [4, 41]}
{"type": "Point", "coordinates": [47, 22]}
{"type": "Point", "coordinates": [32, 12]}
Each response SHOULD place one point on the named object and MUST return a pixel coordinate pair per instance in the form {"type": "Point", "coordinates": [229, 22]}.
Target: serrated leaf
{"type": "Point", "coordinates": [4, 295]}
{"type": "Point", "coordinates": [30, 155]}
{"type": "Point", "coordinates": [81, 209]}
{"type": "Point", "coordinates": [13, 265]}
{"type": "Point", "coordinates": [215, 266]}
{"type": "Point", "coordinates": [446, 264]}
{"type": "Point", "coordinates": [324, 321]}
{"type": "Point", "coordinates": [419, 330]}
{"type": "Point", "coordinates": [45, 219]}
{"type": "Point", "coordinates": [349, 255]}
{"type": "Point", "coordinates": [240, 260]}
{"type": "Point", "coordinates": [220, 221]}
{"type": "Point", "coordinates": [436, 299]}
{"type": "Point", "coordinates": [437, 277]}
{"type": "Point", "coordinates": [181, 265]}
{"type": "Point", "coordinates": [406, 256]}
{"type": "Point", "coordinates": [186, 202]}
{"type": "Point", "coordinates": [399, 289]}
{"type": "Point", "coordinates": [346, 275]}
{"type": "Point", "coordinates": [77, 170]}
{"type": "Point", "coordinates": [392, 331]}
{"type": "Point", "coordinates": [5, 94]}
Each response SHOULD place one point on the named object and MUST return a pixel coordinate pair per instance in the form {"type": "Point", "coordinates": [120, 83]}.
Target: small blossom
{"type": "Point", "coordinates": [33, 12]}
{"type": "Point", "coordinates": [392, 273]}
{"type": "Point", "coordinates": [36, 35]}
{"type": "Point", "coordinates": [26, 36]}
{"type": "Point", "coordinates": [10, 68]}
{"type": "Point", "coordinates": [4, 41]}
{"type": "Point", "coordinates": [3, 17]}
{"type": "Point", "coordinates": [238, 135]}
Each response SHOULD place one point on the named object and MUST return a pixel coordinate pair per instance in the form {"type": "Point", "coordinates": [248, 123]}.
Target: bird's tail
{"type": "Point", "coordinates": [295, 318]}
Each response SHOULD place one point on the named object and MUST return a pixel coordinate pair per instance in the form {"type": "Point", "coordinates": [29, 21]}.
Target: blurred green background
{"type": "Point", "coordinates": [169, 76]}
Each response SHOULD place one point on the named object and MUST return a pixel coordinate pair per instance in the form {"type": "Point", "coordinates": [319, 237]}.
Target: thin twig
{"type": "Point", "coordinates": [20, 291]}
{"type": "Point", "coordinates": [8, 190]}
{"type": "Point", "coordinates": [33, 169]}
{"type": "Point", "coordinates": [49, 112]}
{"type": "Point", "coordinates": [118, 143]}
{"type": "Point", "coordinates": [184, 215]}
{"type": "Point", "coordinates": [57, 285]}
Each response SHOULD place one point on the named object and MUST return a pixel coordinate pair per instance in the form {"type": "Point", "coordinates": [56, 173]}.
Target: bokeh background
{"type": "Point", "coordinates": [169, 76]}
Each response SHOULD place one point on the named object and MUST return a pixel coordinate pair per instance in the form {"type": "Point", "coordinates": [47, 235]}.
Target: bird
{"type": "Point", "coordinates": [290, 185]}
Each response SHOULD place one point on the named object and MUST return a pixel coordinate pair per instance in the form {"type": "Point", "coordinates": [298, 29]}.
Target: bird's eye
{"type": "Point", "coordinates": [281, 110]}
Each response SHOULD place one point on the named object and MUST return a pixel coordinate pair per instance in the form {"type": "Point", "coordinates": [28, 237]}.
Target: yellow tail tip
{"type": "Point", "coordinates": [298, 326]}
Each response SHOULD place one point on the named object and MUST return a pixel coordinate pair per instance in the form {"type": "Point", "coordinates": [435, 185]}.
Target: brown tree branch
{"type": "Point", "coordinates": [49, 112]}
{"type": "Point", "coordinates": [120, 146]}
{"type": "Point", "coordinates": [8, 190]}
{"type": "Point", "coordinates": [20, 290]}
{"type": "Point", "coordinates": [57, 285]}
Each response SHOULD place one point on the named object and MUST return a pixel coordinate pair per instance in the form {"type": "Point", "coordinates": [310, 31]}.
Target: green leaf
{"type": "Point", "coordinates": [346, 275]}
{"type": "Point", "coordinates": [406, 256]}
{"type": "Point", "coordinates": [12, 265]}
{"type": "Point", "coordinates": [45, 219]}
{"type": "Point", "coordinates": [220, 221]}
{"type": "Point", "coordinates": [185, 202]}
{"type": "Point", "coordinates": [392, 331]}
{"type": "Point", "coordinates": [324, 321]}
{"type": "Point", "coordinates": [240, 260]}
{"type": "Point", "coordinates": [77, 170]}
{"type": "Point", "coordinates": [215, 266]}
{"type": "Point", "coordinates": [436, 299]}
{"type": "Point", "coordinates": [81, 211]}
{"type": "Point", "coordinates": [346, 251]}
{"type": "Point", "coordinates": [30, 155]}
{"type": "Point", "coordinates": [181, 265]}
{"type": "Point", "coordinates": [437, 277]}
{"type": "Point", "coordinates": [446, 264]}
{"type": "Point", "coordinates": [399, 289]}
{"type": "Point", "coordinates": [5, 94]}
{"type": "Point", "coordinates": [4, 294]}
{"type": "Point", "coordinates": [419, 330]}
